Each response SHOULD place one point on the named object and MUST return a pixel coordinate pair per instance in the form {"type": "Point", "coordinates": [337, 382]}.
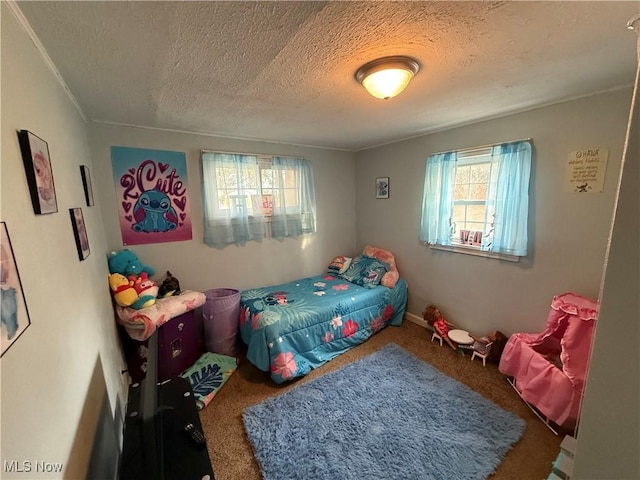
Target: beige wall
{"type": "Point", "coordinates": [54, 376]}
{"type": "Point", "coordinates": [568, 232]}
{"type": "Point", "coordinates": [609, 435]}
{"type": "Point", "coordinates": [200, 267]}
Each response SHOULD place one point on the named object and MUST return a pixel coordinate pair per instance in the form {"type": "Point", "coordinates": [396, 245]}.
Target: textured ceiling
{"type": "Point", "coordinates": [284, 71]}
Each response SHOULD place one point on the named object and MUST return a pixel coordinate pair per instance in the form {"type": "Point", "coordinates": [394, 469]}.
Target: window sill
{"type": "Point", "coordinates": [476, 252]}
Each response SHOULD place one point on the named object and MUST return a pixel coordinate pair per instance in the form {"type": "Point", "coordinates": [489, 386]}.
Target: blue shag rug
{"type": "Point", "coordinates": [386, 416]}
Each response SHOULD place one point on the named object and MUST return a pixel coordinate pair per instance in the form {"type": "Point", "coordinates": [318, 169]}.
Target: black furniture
{"type": "Point", "coordinates": [156, 445]}
{"type": "Point", "coordinates": [178, 456]}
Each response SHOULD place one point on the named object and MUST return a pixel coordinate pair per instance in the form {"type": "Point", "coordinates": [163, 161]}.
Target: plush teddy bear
{"type": "Point", "coordinates": [122, 290]}
{"type": "Point", "coordinates": [125, 262]}
{"type": "Point", "coordinates": [146, 289]}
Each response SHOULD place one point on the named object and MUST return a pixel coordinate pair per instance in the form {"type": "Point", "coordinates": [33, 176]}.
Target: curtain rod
{"type": "Point", "coordinates": [251, 154]}
{"type": "Point", "coordinates": [470, 149]}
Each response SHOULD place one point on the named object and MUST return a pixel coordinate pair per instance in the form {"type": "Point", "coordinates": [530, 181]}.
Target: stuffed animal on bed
{"type": "Point", "coordinates": [435, 320]}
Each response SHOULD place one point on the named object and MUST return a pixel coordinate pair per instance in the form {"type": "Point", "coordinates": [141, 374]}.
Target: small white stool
{"type": "Point", "coordinates": [435, 336]}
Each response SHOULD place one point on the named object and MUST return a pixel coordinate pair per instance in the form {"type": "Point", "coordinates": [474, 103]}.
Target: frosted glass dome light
{"type": "Point", "coordinates": [386, 77]}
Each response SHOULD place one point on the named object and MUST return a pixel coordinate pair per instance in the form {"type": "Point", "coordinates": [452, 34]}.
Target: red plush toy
{"type": "Point", "coordinates": [146, 288]}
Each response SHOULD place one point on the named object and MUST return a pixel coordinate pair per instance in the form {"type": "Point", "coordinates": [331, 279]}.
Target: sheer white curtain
{"type": "Point", "coordinates": [234, 186]}
{"type": "Point", "coordinates": [294, 209]}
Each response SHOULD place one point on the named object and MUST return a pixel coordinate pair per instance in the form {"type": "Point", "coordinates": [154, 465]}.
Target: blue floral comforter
{"type": "Point", "coordinates": [300, 325]}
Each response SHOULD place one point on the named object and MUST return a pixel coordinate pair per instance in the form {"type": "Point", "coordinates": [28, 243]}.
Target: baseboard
{"type": "Point", "coordinates": [416, 319]}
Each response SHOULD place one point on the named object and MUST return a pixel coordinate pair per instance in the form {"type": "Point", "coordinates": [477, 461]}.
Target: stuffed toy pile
{"type": "Point", "coordinates": [129, 281]}
{"type": "Point", "coordinates": [125, 262]}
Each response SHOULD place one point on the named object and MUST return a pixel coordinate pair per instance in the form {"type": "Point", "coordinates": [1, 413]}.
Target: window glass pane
{"type": "Point", "coordinates": [461, 192]}
{"type": "Point", "coordinates": [227, 178]}
{"type": "Point", "coordinates": [475, 213]}
{"type": "Point", "coordinates": [478, 191]}
{"type": "Point", "coordinates": [267, 178]}
{"type": "Point", "coordinates": [475, 226]}
{"type": "Point", "coordinates": [459, 214]}
{"type": "Point", "coordinates": [250, 178]}
{"type": "Point", "coordinates": [480, 173]}
{"type": "Point", "coordinates": [462, 175]}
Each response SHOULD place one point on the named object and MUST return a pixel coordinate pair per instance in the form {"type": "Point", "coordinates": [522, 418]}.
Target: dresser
{"type": "Point", "coordinates": [181, 341]}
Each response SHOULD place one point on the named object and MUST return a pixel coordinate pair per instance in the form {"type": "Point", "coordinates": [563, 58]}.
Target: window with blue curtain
{"type": "Point", "coordinates": [251, 197]}
{"type": "Point", "coordinates": [478, 199]}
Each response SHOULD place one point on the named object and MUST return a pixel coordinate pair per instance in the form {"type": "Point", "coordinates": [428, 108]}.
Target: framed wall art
{"type": "Point", "coordinates": [14, 313]}
{"type": "Point", "coordinates": [382, 187]}
{"type": "Point", "coordinates": [80, 233]}
{"type": "Point", "coordinates": [152, 195]}
{"type": "Point", "coordinates": [86, 183]}
{"type": "Point", "coordinates": [37, 164]}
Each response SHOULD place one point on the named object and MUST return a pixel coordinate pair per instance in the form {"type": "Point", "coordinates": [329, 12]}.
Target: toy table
{"type": "Point", "coordinates": [461, 337]}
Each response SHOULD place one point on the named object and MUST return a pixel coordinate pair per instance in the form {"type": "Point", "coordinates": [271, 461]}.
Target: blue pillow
{"type": "Point", "coordinates": [365, 271]}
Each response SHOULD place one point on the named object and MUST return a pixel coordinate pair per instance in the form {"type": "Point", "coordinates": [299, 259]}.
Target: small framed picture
{"type": "Point", "coordinates": [382, 187]}
{"type": "Point", "coordinates": [37, 164]}
{"type": "Point", "coordinates": [15, 316]}
{"type": "Point", "coordinates": [86, 183]}
{"type": "Point", "coordinates": [80, 233]}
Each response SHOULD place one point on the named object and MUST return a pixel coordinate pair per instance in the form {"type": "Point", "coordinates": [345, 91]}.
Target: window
{"type": "Point", "coordinates": [472, 220]}
{"type": "Point", "coordinates": [250, 197]}
{"type": "Point", "coordinates": [478, 199]}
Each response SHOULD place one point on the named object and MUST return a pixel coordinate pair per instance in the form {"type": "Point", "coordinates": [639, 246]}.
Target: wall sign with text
{"type": "Point", "coordinates": [585, 170]}
{"type": "Point", "coordinates": [151, 190]}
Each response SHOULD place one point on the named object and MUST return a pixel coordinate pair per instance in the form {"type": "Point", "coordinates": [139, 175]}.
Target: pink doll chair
{"type": "Point", "coordinates": [548, 369]}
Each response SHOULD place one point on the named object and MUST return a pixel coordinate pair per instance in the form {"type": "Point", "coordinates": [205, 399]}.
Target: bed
{"type": "Point", "coordinates": [294, 327]}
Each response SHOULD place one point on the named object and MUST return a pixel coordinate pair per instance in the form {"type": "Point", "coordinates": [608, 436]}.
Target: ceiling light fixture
{"type": "Point", "coordinates": [386, 77]}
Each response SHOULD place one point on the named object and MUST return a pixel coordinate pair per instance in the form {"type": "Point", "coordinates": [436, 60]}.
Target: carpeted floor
{"type": "Point", "coordinates": [231, 453]}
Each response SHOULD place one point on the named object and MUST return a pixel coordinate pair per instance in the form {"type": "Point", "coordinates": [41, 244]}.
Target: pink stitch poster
{"type": "Point", "coordinates": [152, 196]}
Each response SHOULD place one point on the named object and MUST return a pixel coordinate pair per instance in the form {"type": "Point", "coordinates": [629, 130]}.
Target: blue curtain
{"type": "Point", "coordinates": [231, 183]}
{"type": "Point", "coordinates": [437, 200]}
{"type": "Point", "coordinates": [508, 198]}
{"type": "Point", "coordinates": [507, 209]}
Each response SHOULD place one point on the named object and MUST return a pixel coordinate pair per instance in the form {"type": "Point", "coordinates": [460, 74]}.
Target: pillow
{"type": "Point", "coordinates": [339, 265]}
{"type": "Point", "coordinates": [365, 271]}
{"type": "Point", "coordinates": [391, 277]}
